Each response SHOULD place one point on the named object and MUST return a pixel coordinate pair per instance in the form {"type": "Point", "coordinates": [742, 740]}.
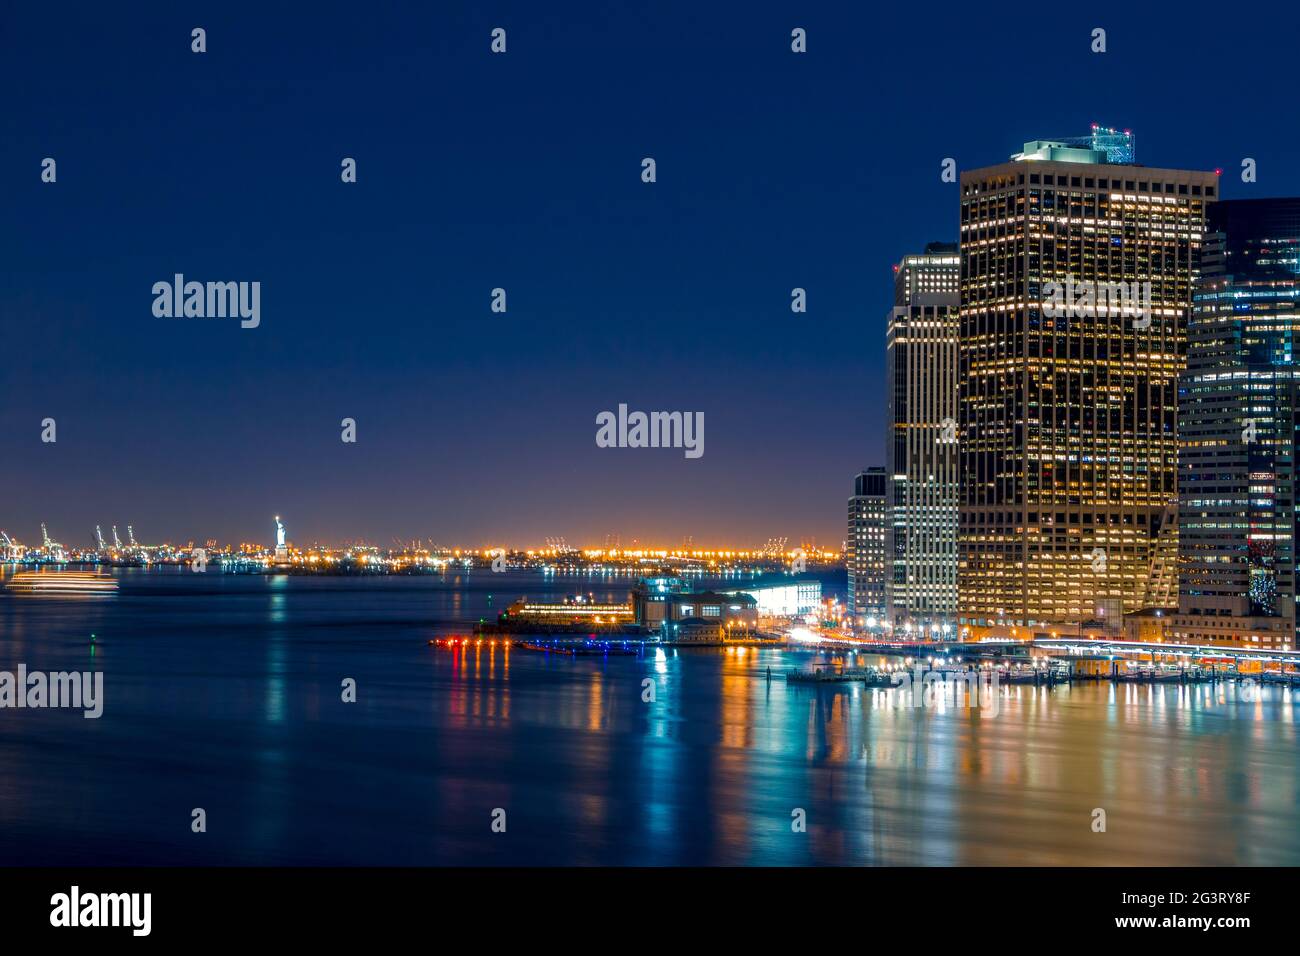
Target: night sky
{"type": "Point", "coordinates": [522, 171]}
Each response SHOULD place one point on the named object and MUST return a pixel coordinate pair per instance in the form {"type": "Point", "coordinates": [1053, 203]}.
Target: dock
{"type": "Point", "coordinates": [1037, 677]}
{"type": "Point", "coordinates": [871, 678]}
{"type": "Point", "coordinates": [579, 648]}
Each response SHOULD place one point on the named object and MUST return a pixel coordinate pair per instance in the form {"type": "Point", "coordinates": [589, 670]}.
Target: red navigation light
{"type": "Point", "coordinates": [1218, 172]}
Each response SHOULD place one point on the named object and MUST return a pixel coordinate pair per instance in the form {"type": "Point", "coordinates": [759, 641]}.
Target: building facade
{"type": "Point", "coordinates": [794, 599]}
{"type": "Point", "coordinates": [1239, 403]}
{"type": "Point", "coordinates": [1076, 285]}
{"type": "Point", "coordinates": [921, 430]}
{"type": "Point", "coordinates": [675, 610]}
{"type": "Point", "coordinates": [865, 552]}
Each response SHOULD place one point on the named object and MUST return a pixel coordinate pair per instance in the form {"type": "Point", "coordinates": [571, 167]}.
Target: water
{"type": "Point", "coordinates": [223, 692]}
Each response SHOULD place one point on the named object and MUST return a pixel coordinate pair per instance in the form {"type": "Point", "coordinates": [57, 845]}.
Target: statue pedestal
{"type": "Point", "coordinates": [282, 557]}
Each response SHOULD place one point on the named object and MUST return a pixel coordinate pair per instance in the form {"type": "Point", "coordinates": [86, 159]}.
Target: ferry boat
{"type": "Point", "coordinates": [62, 583]}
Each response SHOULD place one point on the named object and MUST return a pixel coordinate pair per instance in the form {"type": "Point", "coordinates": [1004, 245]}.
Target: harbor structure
{"type": "Point", "coordinates": [792, 599]}
{"type": "Point", "coordinates": [670, 605]}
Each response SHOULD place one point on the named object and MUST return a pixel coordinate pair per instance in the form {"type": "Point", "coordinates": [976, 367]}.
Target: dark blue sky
{"type": "Point", "coordinates": [775, 170]}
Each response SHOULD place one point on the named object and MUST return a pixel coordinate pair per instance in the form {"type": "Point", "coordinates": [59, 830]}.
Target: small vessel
{"type": "Point", "coordinates": [62, 583]}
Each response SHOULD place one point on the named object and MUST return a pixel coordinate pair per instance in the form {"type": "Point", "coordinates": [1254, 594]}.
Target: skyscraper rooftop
{"type": "Point", "coordinates": [1102, 145]}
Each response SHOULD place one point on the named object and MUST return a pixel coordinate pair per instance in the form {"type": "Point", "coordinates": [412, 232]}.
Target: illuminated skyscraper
{"type": "Point", "coordinates": [921, 456]}
{"type": "Point", "coordinates": [1238, 415]}
{"type": "Point", "coordinates": [1076, 284]}
{"type": "Point", "coordinates": [865, 556]}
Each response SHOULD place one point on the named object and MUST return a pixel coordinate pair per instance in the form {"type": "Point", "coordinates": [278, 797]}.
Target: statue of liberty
{"type": "Point", "coordinates": [281, 551]}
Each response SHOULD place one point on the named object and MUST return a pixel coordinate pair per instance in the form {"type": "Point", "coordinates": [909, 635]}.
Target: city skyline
{"type": "Point", "coordinates": [657, 439]}
{"type": "Point", "coordinates": [96, 540]}
{"type": "Point", "coordinates": [376, 296]}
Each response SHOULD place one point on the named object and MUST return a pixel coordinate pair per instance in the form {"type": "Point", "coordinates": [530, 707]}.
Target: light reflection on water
{"type": "Point", "coordinates": [224, 693]}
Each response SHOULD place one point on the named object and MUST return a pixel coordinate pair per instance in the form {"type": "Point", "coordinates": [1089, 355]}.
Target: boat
{"type": "Point", "coordinates": [62, 583]}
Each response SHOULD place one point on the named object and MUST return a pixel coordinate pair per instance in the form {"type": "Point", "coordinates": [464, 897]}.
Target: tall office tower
{"type": "Point", "coordinates": [921, 455]}
{"type": "Point", "coordinates": [1076, 284]}
{"type": "Point", "coordinates": [1238, 406]}
{"type": "Point", "coordinates": [865, 557]}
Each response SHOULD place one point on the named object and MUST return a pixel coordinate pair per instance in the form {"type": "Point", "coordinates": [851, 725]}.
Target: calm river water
{"type": "Point", "coordinates": [222, 692]}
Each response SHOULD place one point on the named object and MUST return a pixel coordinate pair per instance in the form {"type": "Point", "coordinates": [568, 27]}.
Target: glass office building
{"type": "Point", "coordinates": [1238, 404]}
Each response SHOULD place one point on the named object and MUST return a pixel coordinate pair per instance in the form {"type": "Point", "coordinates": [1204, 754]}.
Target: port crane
{"type": "Point", "coordinates": [99, 537]}
{"type": "Point", "coordinates": [117, 542]}
{"type": "Point", "coordinates": [10, 548]}
{"type": "Point", "coordinates": [130, 536]}
{"type": "Point", "coordinates": [52, 548]}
